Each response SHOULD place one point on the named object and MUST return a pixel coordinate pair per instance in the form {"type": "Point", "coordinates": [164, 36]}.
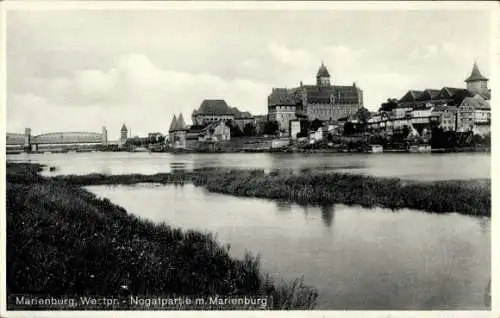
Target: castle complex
{"type": "Point", "coordinates": [322, 101]}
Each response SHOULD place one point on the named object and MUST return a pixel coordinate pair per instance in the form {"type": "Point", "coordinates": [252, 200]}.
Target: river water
{"type": "Point", "coordinates": [425, 166]}
{"type": "Point", "coordinates": [357, 258]}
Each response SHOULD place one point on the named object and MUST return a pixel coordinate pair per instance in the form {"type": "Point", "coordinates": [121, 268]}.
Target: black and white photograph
{"type": "Point", "coordinates": [243, 156]}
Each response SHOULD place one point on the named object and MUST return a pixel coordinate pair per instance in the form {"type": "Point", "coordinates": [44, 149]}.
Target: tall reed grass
{"type": "Point", "coordinates": [62, 239]}
{"type": "Point", "coordinates": [472, 197]}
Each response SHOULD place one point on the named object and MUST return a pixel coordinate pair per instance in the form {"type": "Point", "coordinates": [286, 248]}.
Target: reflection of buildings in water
{"type": "Point", "coordinates": [178, 166]}
{"type": "Point", "coordinates": [179, 185]}
{"type": "Point", "coordinates": [283, 206]}
{"type": "Point", "coordinates": [485, 225]}
{"type": "Point", "coordinates": [327, 214]}
{"type": "Point", "coordinates": [487, 295]}
{"type": "Point", "coordinates": [300, 162]}
{"type": "Point", "coordinates": [105, 170]}
{"type": "Point", "coordinates": [278, 161]}
{"type": "Point", "coordinates": [204, 161]}
{"type": "Point", "coordinates": [305, 208]}
{"type": "Point", "coordinates": [197, 163]}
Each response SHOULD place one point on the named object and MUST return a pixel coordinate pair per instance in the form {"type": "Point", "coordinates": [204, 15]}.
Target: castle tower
{"type": "Point", "coordinates": [476, 82]}
{"type": "Point", "coordinates": [123, 134]}
{"type": "Point", "coordinates": [323, 76]}
{"type": "Point", "coordinates": [173, 124]}
{"type": "Point", "coordinates": [181, 124]}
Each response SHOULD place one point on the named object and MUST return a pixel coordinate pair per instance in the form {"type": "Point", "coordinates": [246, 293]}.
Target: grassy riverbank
{"type": "Point", "coordinates": [317, 187]}
{"type": "Point", "coordinates": [63, 240]}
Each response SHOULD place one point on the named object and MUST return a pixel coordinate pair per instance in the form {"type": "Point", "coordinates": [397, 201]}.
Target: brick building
{"type": "Point", "coordinates": [322, 101]}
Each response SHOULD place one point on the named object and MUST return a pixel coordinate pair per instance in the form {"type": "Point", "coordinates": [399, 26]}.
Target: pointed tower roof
{"type": "Point", "coordinates": [323, 71]}
{"type": "Point", "coordinates": [173, 124]}
{"type": "Point", "coordinates": [181, 124]}
{"type": "Point", "coordinates": [475, 75]}
{"type": "Point", "coordinates": [124, 128]}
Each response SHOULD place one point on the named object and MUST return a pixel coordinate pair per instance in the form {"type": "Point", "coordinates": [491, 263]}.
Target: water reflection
{"type": "Point", "coordinates": [178, 166]}
{"type": "Point", "coordinates": [305, 209]}
{"type": "Point", "coordinates": [366, 258]}
{"type": "Point", "coordinates": [304, 163]}
{"type": "Point", "coordinates": [283, 206]}
{"type": "Point", "coordinates": [423, 167]}
{"type": "Point", "coordinates": [327, 214]}
{"type": "Point", "coordinates": [106, 170]}
{"type": "Point", "coordinates": [327, 211]}
{"type": "Point", "coordinates": [487, 295]}
{"type": "Point", "coordinates": [484, 225]}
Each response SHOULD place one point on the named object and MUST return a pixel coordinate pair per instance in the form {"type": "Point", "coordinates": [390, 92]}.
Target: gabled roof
{"type": "Point", "coordinates": [282, 97]}
{"type": "Point", "coordinates": [459, 96]}
{"type": "Point", "coordinates": [411, 96]}
{"type": "Point", "coordinates": [341, 94]}
{"type": "Point", "coordinates": [345, 93]}
{"type": "Point", "coordinates": [449, 92]}
{"type": "Point", "coordinates": [475, 75]}
{"type": "Point", "coordinates": [477, 103]}
{"type": "Point", "coordinates": [429, 94]}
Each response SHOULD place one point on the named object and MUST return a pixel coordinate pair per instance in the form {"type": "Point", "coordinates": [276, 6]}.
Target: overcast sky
{"type": "Point", "coordinates": [81, 69]}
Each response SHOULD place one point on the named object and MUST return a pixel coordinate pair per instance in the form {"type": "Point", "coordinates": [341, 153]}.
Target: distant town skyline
{"type": "Point", "coordinates": [84, 69]}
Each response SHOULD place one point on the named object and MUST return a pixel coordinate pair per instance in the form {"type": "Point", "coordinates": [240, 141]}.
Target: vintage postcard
{"type": "Point", "coordinates": [248, 159]}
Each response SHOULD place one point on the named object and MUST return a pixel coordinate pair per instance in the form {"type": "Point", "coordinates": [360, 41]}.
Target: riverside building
{"type": "Point", "coordinates": [177, 132]}
{"type": "Point", "coordinates": [322, 101]}
{"type": "Point", "coordinates": [451, 108]}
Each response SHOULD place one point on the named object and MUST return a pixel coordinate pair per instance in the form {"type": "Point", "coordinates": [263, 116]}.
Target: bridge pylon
{"type": "Point", "coordinates": [27, 140]}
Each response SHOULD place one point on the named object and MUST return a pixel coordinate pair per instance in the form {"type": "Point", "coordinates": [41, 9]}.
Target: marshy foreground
{"type": "Point", "coordinates": [306, 187]}
{"type": "Point", "coordinates": [320, 187]}
{"type": "Point", "coordinates": [63, 240]}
